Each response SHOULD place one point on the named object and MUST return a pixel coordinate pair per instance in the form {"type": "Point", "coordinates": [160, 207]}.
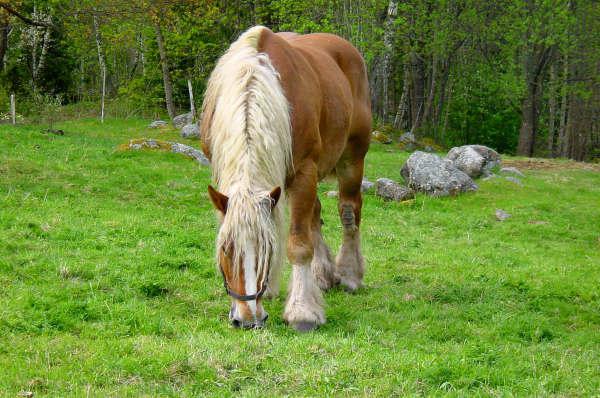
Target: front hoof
{"type": "Point", "coordinates": [304, 327]}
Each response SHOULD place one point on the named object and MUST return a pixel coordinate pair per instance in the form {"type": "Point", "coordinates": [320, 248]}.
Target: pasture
{"type": "Point", "coordinates": [109, 286]}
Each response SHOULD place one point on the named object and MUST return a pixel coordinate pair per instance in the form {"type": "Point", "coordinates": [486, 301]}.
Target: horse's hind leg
{"type": "Point", "coordinates": [322, 262]}
{"type": "Point", "coordinates": [350, 264]}
{"type": "Point", "coordinates": [304, 306]}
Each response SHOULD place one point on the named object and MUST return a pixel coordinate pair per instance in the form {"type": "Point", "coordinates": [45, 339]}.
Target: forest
{"type": "Point", "coordinates": [521, 76]}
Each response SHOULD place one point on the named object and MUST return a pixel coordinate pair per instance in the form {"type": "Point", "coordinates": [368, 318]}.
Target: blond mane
{"type": "Point", "coordinates": [247, 114]}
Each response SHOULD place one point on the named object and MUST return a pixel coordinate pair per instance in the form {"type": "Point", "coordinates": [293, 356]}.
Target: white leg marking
{"type": "Point", "coordinates": [305, 301]}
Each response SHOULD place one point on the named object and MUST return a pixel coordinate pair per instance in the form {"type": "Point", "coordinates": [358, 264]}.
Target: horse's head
{"type": "Point", "coordinates": [246, 246]}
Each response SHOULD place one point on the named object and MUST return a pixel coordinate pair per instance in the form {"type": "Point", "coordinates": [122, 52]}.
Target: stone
{"type": "Point", "coordinates": [512, 170]}
{"type": "Point", "coordinates": [169, 146]}
{"type": "Point", "coordinates": [390, 190]}
{"type": "Point", "coordinates": [157, 124]}
{"type": "Point", "coordinates": [191, 152]}
{"type": "Point", "coordinates": [332, 194]}
{"type": "Point", "coordinates": [430, 174]}
{"type": "Point", "coordinates": [474, 160]}
{"type": "Point", "coordinates": [181, 120]}
{"type": "Point", "coordinates": [501, 215]}
{"type": "Point", "coordinates": [190, 131]}
{"type": "Point", "coordinates": [407, 137]}
{"type": "Point", "coordinates": [380, 137]}
{"type": "Point", "coordinates": [514, 180]}
{"type": "Point", "coordinates": [366, 185]}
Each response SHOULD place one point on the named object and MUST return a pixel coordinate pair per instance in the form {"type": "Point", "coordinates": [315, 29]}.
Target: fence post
{"type": "Point", "coordinates": [13, 112]}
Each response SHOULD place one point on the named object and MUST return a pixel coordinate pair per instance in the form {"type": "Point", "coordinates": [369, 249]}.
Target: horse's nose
{"type": "Point", "coordinates": [241, 323]}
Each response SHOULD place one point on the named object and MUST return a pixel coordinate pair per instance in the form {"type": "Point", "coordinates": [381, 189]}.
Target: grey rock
{"type": "Point", "coordinates": [181, 120]}
{"type": "Point", "coordinates": [190, 131]}
{"type": "Point", "coordinates": [489, 176]}
{"type": "Point", "coordinates": [429, 149]}
{"type": "Point", "coordinates": [514, 180]}
{"type": "Point", "coordinates": [407, 137]}
{"type": "Point", "coordinates": [390, 190]}
{"type": "Point", "coordinates": [191, 152]}
{"type": "Point", "coordinates": [512, 170]}
{"type": "Point", "coordinates": [430, 174]}
{"type": "Point", "coordinates": [366, 185]}
{"type": "Point", "coordinates": [474, 160]}
{"type": "Point", "coordinates": [501, 215]}
{"type": "Point", "coordinates": [332, 194]}
{"type": "Point", "coordinates": [157, 123]}
{"type": "Point", "coordinates": [136, 146]}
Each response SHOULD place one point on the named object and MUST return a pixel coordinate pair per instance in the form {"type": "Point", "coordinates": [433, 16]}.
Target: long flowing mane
{"type": "Point", "coordinates": [247, 114]}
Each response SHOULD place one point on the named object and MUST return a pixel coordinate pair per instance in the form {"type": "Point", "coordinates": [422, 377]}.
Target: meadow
{"type": "Point", "coordinates": [109, 286]}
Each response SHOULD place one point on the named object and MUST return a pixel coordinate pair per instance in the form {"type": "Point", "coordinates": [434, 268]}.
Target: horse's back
{"type": "Point", "coordinates": [327, 77]}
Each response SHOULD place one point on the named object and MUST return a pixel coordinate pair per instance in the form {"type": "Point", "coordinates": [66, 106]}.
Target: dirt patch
{"type": "Point", "coordinates": [549, 164]}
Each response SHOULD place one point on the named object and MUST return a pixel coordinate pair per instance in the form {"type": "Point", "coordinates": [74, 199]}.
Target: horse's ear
{"type": "Point", "coordinates": [218, 199]}
{"type": "Point", "coordinates": [274, 195]}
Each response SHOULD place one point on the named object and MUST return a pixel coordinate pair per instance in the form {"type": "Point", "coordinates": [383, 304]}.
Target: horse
{"type": "Point", "coordinates": [281, 112]}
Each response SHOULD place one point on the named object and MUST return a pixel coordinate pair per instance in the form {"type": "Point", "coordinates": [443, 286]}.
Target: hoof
{"type": "Point", "coordinates": [304, 327]}
{"type": "Point", "coordinates": [349, 285]}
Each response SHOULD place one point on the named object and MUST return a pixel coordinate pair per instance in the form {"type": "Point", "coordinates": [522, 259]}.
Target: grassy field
{"type": "Point", "coordinates": [109, 286]}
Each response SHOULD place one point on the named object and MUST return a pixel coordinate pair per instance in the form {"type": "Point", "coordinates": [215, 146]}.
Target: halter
{"type": "Point", "coordinates": [244, 297]}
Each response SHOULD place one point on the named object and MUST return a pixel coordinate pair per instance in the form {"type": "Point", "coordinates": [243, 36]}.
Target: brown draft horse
{"type": "Point", "coordinates": [282, 111]}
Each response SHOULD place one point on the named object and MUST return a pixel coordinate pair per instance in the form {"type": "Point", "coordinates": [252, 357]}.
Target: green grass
{"type": "Point", "coordinates": [109, 285]}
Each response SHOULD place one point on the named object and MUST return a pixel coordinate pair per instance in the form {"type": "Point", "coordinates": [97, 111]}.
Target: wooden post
{"type": "Point", "coordinates": [192, 106]}
{"type": "Point", "coordinates": [13, 112]}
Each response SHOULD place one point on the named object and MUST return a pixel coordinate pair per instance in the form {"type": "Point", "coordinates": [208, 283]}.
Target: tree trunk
{"type": "Point", "coordinates": [561, 145]}
{"type": "Point", "coordinates": [535, 66]}
{"type": "Point", "coordinates": [418, 92]}
{"type": "Point", "coordinates": [4, 28]}
{"type": "Point", "coordinates": [192, 105]}
{"type": "Point", "coordinates": [552, 112]}
{"type": "Point", "coordinates": [164, 62]}
{"type": "Point", "coordinates": [102, 63]}
{"type": "Point", "coordinates": [388, 41]}
{"type": "Point", "coordinates": [399, 120]}
{"type": "Point", "coordinates": [528, 128]}
{"type": "Point", "coordinates": [432, 87]}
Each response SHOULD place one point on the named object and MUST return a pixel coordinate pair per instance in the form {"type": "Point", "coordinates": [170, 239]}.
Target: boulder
{"type": "Point", "coordinates": [175, 147]}
{"type": "Point", "coordinates": [366, 185]}
{"type": "Point", "coordinates": [514, 180]}
{"type": "Point", "coordinates": [190, 131]}
{"type": "Point", "coordinates": [157, 124]}
{"type": "Point", "coordinates": [501, 215]}
{"type": "Point", "coordinates": [181, 120]}
{"type": "Point", "coordinates": [390, 190]}
{"type": "Point", "coordinates": [191, 152]}
{"type": "Point", "coordinates": [407, 137]}
{"type": "Point", "coordinates": [512, 170]}
{"type": "Point", "coordinates": [332, 194]}
{"type": "Point", "coordinates": [430, 174]}
{"type": "Point", "coordinates": [474, 160]}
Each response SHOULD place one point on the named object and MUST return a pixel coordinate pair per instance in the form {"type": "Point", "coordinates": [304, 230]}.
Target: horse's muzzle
{"type": "Point", "coordinates": [246, 324]}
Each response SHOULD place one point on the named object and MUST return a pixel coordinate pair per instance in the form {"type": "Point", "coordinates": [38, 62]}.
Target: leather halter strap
{"type": "Point", "coordinates": [244, 297]}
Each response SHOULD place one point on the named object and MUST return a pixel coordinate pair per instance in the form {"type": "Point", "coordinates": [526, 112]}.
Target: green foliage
{"type": "Point", "coordinates": [110, 288]}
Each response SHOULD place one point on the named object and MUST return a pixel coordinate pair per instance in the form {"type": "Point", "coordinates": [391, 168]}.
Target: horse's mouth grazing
{"type": "Point", "coordinates": [243, 324]}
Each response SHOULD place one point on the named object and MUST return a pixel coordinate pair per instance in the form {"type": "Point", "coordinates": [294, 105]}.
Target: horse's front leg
{"type": "Point", "coordinates": [304, 308]}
